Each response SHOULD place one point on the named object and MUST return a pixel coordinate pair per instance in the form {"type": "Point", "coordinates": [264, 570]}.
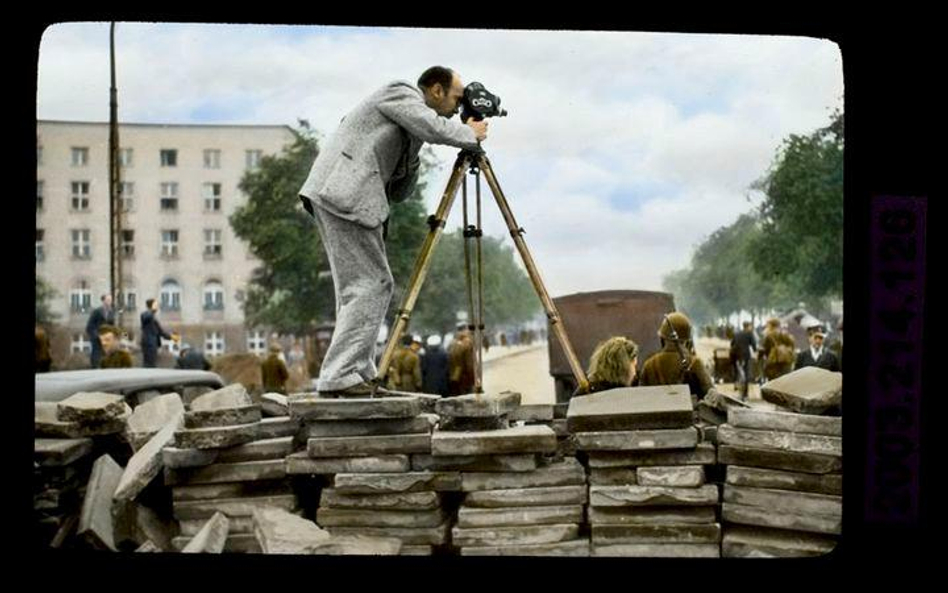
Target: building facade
{"type": "Point", "coordinates": [179, 186]}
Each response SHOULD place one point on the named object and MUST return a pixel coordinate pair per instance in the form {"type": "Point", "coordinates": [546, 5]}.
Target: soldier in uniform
{"type": "Point", "coordinates": [273, 371]}
{"type": "Point", "coordinates": [461, 364]}
{"type": "Point", "coordinates": [614, 363]}
{"type": "Point", "coordinates": [777, 351]}
{"type": "Point", "coordinates": [113, 355]}
{"type": "Point", "coordinates": [404, 373]}
{"type": "Point", "coordinates": [665, 368]}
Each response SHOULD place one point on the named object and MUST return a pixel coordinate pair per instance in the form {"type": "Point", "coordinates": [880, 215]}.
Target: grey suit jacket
{"type": "Point", "coordinates": [373, 155]}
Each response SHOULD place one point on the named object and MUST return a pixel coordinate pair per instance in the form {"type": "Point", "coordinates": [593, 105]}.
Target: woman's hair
{"type": "Point", "coordinates": [609, 363]}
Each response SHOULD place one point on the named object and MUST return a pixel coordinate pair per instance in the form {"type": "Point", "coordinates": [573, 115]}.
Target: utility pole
{"type": "Point", "coordinates": [115, 206]}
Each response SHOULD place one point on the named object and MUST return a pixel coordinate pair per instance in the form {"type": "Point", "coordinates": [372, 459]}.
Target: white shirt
{"type": "Point", "coordinates": [816, 354]}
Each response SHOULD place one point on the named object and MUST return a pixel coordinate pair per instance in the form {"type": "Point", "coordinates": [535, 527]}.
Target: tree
{"type": "Point", "coordinates": [801, 242]}
{"type": "Point", "coordinates": [44, 294]}
{"type": "Point", "coordinates": [291, 291]}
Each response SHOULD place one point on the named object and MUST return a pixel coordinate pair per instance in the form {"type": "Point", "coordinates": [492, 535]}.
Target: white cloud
{"type": "Point", "coordinates": [672, 127]}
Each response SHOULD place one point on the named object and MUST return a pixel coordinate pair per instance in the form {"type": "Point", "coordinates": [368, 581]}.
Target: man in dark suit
{"type": "Point", "coordinates": [152, 333]}
{"type": "Point", "coordinates": [191, 358]}
{"type": "Point", "coordinates": [371, 160]}
{"type": "Point", "coordinates": [817, 355]}
{"type": "Point", "coordinates": [104, 315]}
{"type": "Point", "coordinates": [743, 349]}
{"type": "Point", "coordinates": [434, 367]}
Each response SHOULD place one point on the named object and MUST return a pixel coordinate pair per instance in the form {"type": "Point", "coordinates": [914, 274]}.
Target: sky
{"type": "Point", "coordinates": [622, 151]}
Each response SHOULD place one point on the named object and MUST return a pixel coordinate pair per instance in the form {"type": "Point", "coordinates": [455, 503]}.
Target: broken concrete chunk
{"type": "Point", "coordinates": [247, 471]}
{"type": "Point", "coordinates": [567, 472]}
{"type": "Point", "coordinates": [278, 427]}
{"type": "Point", "coordinates": [145, 464]}
{"type": "Point", "coordinates": [231, 490]}
{"type": "Point", "coordinates": [631, 408]}
{"type": "Point", "coordinates": [810, 463]}
{"type": "Point", "coordinates": [518, 439]}
{"type": "Point", "coordinates": [148, 418]}
{"type": "Point", "coordinates": [810, 390]}
{"type": "Point", "coordinates": [309, 407]}
{"type": "Point", "coordinates": [482, 405]}
{"type": "Point", "coordinates": [363, 483]}
{"type": "Point", "coordinates": [513, 536]}
{"type": "Point", "coordinates": [416, 501]}
{"type": "Point", "coordinates": [637, 440]}
{"type": "Point", "coordinates": [702, 454]}
{"type": "Point", "coordinates": [175, 458]}
{"type": "Point", "coordinates": [302, 463]}
{"type": "Point", "coordinates": [780, 519]}
{"type": "Point", "coordinates": [517, 516]}
{"type": "Point", "coordinates": [281, 532]}
{"type": "Point", "coordinates": [785, 500]}
{"type": "Point", "coordinates": [521, 497]}
{"type": "Point", "coordinates": [232, 507]}
{"type": "Point", "coordinates": [747, 542]}
{"type": "Point", "coordinates": [232, 396]}
{"type": "Point", "coordinates": [223, 417]}
{"type": "Point", "coordinates": [369, 445]}
{"type": "Point", "coordinates": [786, 421]}
{"type": "Point", "coordinates": [532, 413]}
{"type": "Point", "coordinates": [656, 534]}
{"type": "Point", "coordinates": [658, 515]}
{"type": "Point", "coordinates": [216, 437]}
{"type": "Point", "coordinates": [612, 476]}
{"type": "Point", "coordinates": [413, 536]}
{"type": "Point", "coordinates": [358, 428]}
{"type": "Point", "coordinates": [60, 452]}
{"type": "Point", "coordinates": [652, 495]}
{"type": "Point", "coordinates": [274, 404]}
{"type": "Point", "coordinates": [91, 406]}
{"type": "Point", "coordinates": [784, 480]}
{"type": "Point", "coordinates": [780, 440]}
{"type": "Point", "coordinates": [327, 517]}
{"type": "Point", "coordinates": [686, 476]}
{"type": "Point", "coordinates": [259, 450]}
{"type": "Point", "coordinates": [211, 538]}
{"type": "Point", "coordinates": [526, 462]}
{"type": "Point", "coordinates": [95, 522]}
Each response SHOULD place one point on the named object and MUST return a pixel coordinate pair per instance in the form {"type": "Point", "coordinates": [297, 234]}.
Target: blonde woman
{"type": "Point", "coordinates": [613, 364]}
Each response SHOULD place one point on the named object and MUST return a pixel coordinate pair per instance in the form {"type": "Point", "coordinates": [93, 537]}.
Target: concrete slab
{"type": "Point", "coordinates": [301, 463]}
{"type": "Point", "coordinates": [638, 440]}
{"type": "Point", "coordinates": [369, 445]}
{"type": "Point", "coordinates": [519, 439]}
{"type": "Point", "coordinates": [652, 496]}
{"type": "Point", "coordinates": [810, 390]}
{"type": "Point", "coordinates": [365, 483]}
{"type": "Point", "coordinates": [810, 463]}
{"type": "Point", "coordinates": [783, 441]}
{"type": "Point", "coordinates": [631, 408]}
{"type": "Point", "coordinates": [521, 497]}
{"type": "Point", "coordinates": [702, 454]}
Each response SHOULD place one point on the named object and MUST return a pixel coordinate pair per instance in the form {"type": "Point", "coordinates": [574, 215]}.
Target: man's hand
{"type": "Point", "coordinates": [479, 127]}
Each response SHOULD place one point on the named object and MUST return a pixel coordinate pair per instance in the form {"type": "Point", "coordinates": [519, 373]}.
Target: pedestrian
{"type": "Point", "coordinates": [816, 355]}
{"type": "Point", "coordinates": [777, 350]}
{"type": "Point", "coordinates": [273, 372]}
{"type": "Point", "coordinates": [614, 363]}
{"type": "Point", "coordinates": [152, 333]}
{"type": "Point", "coordinates": [44, 360]}
{"type": "Point", "coordinates": [113, 355]}
{"type": "Point", "coordinates": [371, 160]}
{"type": "Point", "coordinates": [665, 367]}
{"type": "Point", "coordinates": [743, 349]}
{"type": "Point", "coordinates": [461, 375]}
{"type": "Point", "coordinates": [191, 359]}
{"type": "Point", "coordinates": [404, 372]}
{"type": "Point", "coordinates": [103, 314]}
{"type": "Point", "coordinates": [434, 367]}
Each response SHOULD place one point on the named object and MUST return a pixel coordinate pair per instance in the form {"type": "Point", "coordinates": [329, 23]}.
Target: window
{"type": "Point", "coordinates": [212, 159]}
{"type": "Point", "coordinates": [127, 301]}
{"type": "Point", "coordinates": [39, 244]}
{"type": "Point", "coordinates": [170, 296]}
{"type": "Point", "coordinates": [212, 197]}
{"type": "Point", "coordinates": [169, 196]}
{"type": "Point", "coordinates": [80, 196]}
{"type": "Point", "coordinates": [80, 156]}
{"type": "Point", "coordinates": [80, 298]}
{"type": "Point", "coordinates": [39, 195]}
{"type": "Point", "coordinates": [80, 345]}
{"type": "Point", "coordinates": [125, 157]}
{"type": "Point", "coordinates": [212, 243]}
{"type": "Point", "coordinates": [81, 248]}
{"type": "Point", "coordinates": [169, 243]}
{"type": "Point", "coordinates": [128, 244]}
{"type": "Point", "coordinates": [213, 343]}
{"type": "Point", "coordinates": [169, 158]}
{"type": "Point", "coordinates": [127, 195]}
{"type": "Point", "coordinates": [257, 342]}
{"type": "Point", "coordinates": [253, 158]}
{"type": "Point", "coordinates": [213, 296]}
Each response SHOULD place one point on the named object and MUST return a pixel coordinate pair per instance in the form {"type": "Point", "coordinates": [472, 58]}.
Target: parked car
{"type": "Point", "coordinates": [133, 383]}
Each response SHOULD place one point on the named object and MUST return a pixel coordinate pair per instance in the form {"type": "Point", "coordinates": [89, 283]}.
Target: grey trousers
{"type": "Point", "coordinates": [363, 286]}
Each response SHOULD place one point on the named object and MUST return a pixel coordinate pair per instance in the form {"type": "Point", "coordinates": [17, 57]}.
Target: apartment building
{"type": "Point", "coordinates": [179, 185]}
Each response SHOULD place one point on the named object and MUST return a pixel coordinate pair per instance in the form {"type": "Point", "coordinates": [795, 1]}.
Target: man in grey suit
{"type": "Point", "coordinates": [371, 160]}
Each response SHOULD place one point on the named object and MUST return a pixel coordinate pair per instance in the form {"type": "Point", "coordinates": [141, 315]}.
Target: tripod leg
{"type": "Point", "coordinates": [552, 314]}
{"type": "Point", "coordinates": [469, 233]}
{"type": "Point", "coordinates": [422, 262]}
{"type": "Point", "coordinates": [479, 318]}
